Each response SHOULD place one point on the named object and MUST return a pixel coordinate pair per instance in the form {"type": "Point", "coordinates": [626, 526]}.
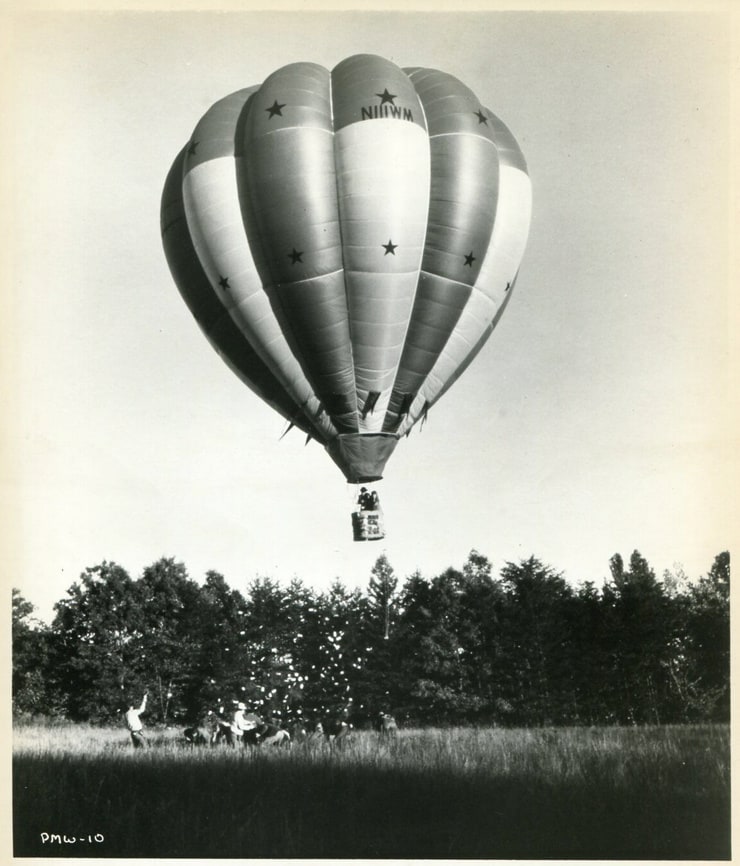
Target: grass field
{"type": "Point", "coordinates": [600, 793]}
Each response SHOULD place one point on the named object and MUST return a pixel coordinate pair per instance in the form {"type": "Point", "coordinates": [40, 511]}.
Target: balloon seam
{"type": "Point", "coordinates": [341, 243]}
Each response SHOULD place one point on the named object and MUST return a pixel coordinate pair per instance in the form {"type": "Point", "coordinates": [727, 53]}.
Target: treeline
{"type": "Point", "coordinates": [521, 648]}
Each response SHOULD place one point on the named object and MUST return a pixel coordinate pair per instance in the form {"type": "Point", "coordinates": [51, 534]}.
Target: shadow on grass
{"type": "Point", "coordinates": [292, 809]}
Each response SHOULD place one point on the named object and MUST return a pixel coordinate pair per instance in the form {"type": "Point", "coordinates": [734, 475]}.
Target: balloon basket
{"type": "Point", "coordinates": [368, 525]}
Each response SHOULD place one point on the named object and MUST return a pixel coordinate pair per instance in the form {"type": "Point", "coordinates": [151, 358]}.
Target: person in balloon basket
{"type": "Point", "coordinates": [134, 724]}
{"type": "Point", "coordinates": [368, 500]}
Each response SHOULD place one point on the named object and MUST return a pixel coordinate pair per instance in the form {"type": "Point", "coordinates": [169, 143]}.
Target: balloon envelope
{"type": "Point", "coordinates": [347, 241]}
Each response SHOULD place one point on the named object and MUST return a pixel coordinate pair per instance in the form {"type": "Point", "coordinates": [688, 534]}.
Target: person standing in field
{"type": "Point", "coordinates": [242, 722]}
{"type": "Point", "coordinates": [134, 724]}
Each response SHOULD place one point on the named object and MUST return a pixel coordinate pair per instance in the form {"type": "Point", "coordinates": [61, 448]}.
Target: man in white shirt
{"type": "Point", "coordinates": [133, 723]}
{"type": "Point", "coordinates": [242, 722]}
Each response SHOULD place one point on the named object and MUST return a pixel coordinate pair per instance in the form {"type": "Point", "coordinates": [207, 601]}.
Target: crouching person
{"type": "Point", "coordinates": [387, 725]}
{"type": "Point", "coordinates": [219, 727]}
{"type": "Point", "coordinates": [194, 736]}
{"type": "Point", "coordinates": [273, 735]}
{"type": "Point", "coordinates": [265, 734]}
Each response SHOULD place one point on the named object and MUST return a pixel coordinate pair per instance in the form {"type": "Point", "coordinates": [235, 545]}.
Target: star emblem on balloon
{"type": "Point", "coordinates": [481, 117]}
{"type": "Point", "coordinates": [275, 108]}
{"type": "Point", "coordinates": [387, 97]}
{"type": "Point", "coordinates": [295, 256]}
{"type": "Point", "coordinates": [224, 282]}
{"type": "Point", "coordinates": [469, 259]}
{"type": "Point", "coordinates": [390, 247]}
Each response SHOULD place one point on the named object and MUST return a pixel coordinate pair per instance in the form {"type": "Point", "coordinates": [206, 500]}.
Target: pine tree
{"type": "Point", "coordinates": [382, 593]}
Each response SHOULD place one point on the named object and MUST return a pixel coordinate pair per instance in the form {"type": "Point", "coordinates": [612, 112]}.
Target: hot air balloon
{"type": "Point", "coordinates": [347, 240]}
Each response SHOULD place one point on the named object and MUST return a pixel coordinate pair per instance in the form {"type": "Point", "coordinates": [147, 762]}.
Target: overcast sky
{"type": "Point", "coordinates": [595, 420]}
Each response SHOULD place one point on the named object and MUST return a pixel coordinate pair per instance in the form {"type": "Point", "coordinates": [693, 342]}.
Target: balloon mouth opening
{"type": "Point", "coordinates": [362, 456]}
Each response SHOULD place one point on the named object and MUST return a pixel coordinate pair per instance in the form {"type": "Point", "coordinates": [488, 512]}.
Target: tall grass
{"type": "Point", "coordinates": [605, 793]}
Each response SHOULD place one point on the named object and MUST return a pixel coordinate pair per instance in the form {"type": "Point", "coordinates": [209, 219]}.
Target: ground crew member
{"type": "Point", "coordinates": [133, 723]}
